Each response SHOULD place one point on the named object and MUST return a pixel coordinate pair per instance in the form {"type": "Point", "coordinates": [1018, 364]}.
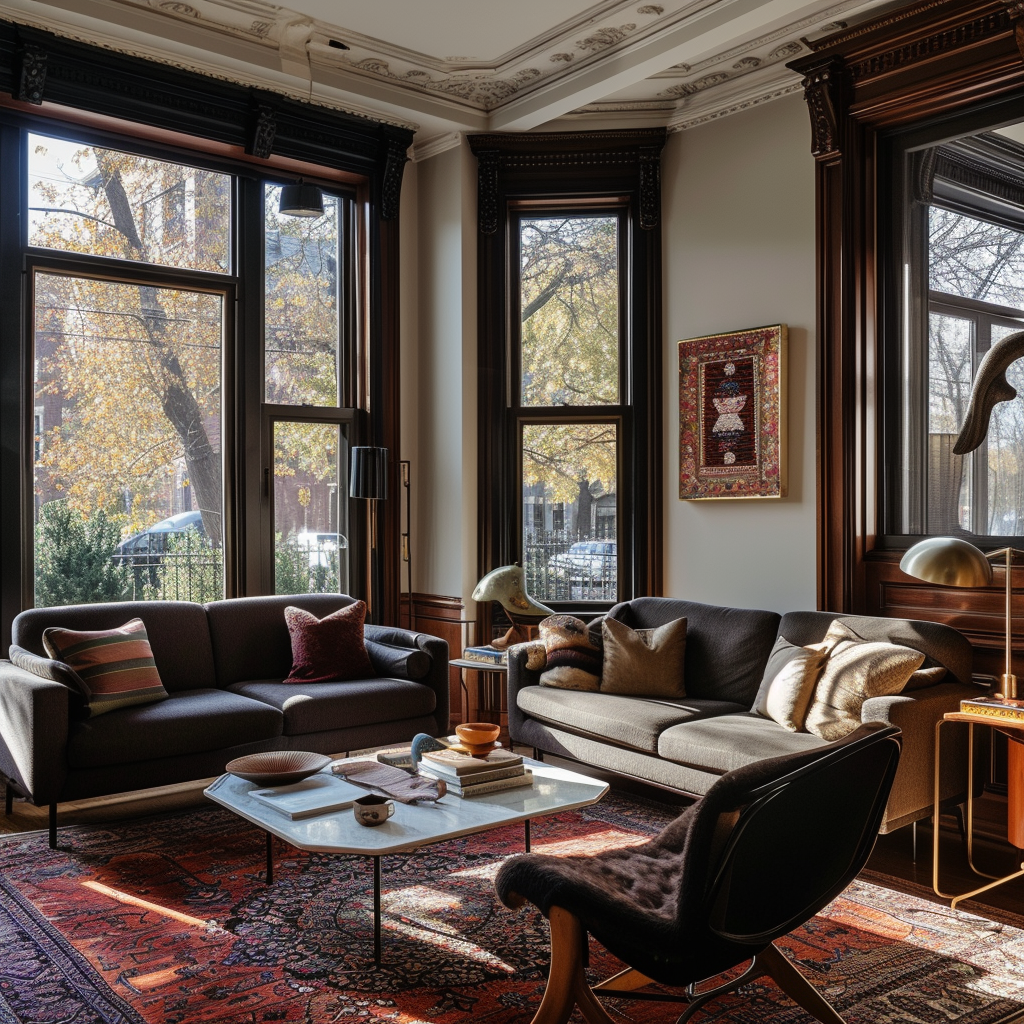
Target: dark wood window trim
{"type": "Point", "coordinates": [912, 70]}
{"type": "Point", "coordinates": [585, 168]}
{"type": "Point", "coordinates": [47, 79]}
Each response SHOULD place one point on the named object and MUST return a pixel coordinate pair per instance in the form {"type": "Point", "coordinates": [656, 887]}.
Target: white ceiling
{"type": "Point", "coordinates": [447, 66]}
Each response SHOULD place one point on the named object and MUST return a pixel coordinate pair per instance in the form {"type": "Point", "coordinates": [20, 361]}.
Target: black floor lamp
{"type": "Point", "coordinates": [368, 479]}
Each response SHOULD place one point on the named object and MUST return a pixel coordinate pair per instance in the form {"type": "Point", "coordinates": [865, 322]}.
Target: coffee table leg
{"type": "Point", "coordinates": [526, 836]}
{"type": "Point", "coordinates": [270, 859]}
{"type": "Point", "coordinates": [376, 910]}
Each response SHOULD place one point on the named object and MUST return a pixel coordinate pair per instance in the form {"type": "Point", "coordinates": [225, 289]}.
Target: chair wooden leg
{"type": "Point", "coordinates": [796, 986]}
{"type": "Point", "coordinates": [8, 800]}
{"type": "Point", "coordinates": [567, 986]}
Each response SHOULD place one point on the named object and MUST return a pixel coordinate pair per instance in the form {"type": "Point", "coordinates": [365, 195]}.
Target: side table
{"type": "Point", "coordinates": [491, 693]}
{"type": "Point", "coordinates": [1014, 731]}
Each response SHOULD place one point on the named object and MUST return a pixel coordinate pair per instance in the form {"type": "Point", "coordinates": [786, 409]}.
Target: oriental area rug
{"type": "Point", "coordinates": [169, 920]}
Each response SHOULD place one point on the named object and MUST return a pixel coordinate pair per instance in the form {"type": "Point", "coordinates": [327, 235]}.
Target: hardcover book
{"type": "Point", "coordinates": [434, 772]}
{"type": "Point", "coordinates": [494, 786]}
{"type": "Point", "coordinates": [451, 762]}
{"type": "Point", "coordinates": [1006, 708]}
{"type": "Point", "coordinates": [319, 794]}
{"type": "Point", "coordinates": [489, 655]}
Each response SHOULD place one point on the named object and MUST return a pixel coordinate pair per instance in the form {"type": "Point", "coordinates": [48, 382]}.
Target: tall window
{"type": "Point", "coordinates": [134, 277]}
{"type": "Point", "coordinates": [570, 358]}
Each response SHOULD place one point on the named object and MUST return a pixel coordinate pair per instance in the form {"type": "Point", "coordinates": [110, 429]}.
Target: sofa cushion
{"type": "Point", "coordinates": [330, 649]}
{"type": "Point", "coordinates": [788, 685]}
{"type": "Point", "coordinates": [112, 668]}
{"type": "Point", "coordinates": [178, 634]}
{"type": "Point", "coordinates": [726, 648]}
{"type": "Point", "coordinates": [634, 722]}
{"type": "Point", "coordinates": [646, 662]}
{"type": "Point", "coordinates": [572, 658]}
{"type": "Point", "coordinates": [321, 707]}
{"type": "Point", "coordinates": [719, 745]}
{"type": "Point", "coordinates": [249, 636]}
{"type": "Point", "coordinates": [190, 722]}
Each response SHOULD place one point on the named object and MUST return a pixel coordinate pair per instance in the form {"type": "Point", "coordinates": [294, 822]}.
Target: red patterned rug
{"type": "Point", "coordinates": [170, 920]}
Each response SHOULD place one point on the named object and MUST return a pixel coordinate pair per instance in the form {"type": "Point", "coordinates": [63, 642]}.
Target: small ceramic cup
{"type": "Point", "coordinates": [373, 810]}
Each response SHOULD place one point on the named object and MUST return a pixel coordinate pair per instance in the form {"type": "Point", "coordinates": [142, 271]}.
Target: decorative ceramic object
{"type": "Point", "coordinates": [373, 810]}
{"type": "Point", "coordinates": [277, 767]}
{"type": "Point", "coordinates": [477, 734]}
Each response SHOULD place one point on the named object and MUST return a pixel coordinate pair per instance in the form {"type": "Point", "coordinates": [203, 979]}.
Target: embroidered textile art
{"type": "Point", "coordinates": [732, 415]}
{"type": "Point", "coordinates": [169, 920]}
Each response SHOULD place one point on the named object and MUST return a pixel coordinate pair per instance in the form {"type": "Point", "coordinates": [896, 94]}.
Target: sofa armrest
{"type": "Point", "coordinates": [34, 715]}
{"type": "Point", "coordinates": [518, 677]}
{"type": "Point", "coordinates": [437, 651]}
{"type": "Point", "coordinates": [916, 714]}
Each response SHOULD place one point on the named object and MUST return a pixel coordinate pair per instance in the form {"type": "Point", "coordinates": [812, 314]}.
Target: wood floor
{"type": "Point", "coordinates": [893, 855]}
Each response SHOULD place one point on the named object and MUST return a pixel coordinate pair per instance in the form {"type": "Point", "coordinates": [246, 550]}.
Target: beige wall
{"type": "Point", "coordinates": [438, 369]}
{"type": "Point", "coordinates": [738, 228]}
{"type": "Point", "coordinates": [738, 215]}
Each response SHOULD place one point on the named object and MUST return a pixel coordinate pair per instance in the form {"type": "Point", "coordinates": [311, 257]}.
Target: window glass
{"type": "Point", "coordinates": [975, 259]}
{"type": "Point", "coordinates": [571, 470]}
{"type": "Point", "coordinates": [302, 300]}
{"type": "Point", "coordinates": [569, 310]}
{"type": "Point", "coordinates": [101, 202]}
{"type": "Point", "coordinates": [127, 381]}
{"type": "Point", "coordinates": [310, 512]}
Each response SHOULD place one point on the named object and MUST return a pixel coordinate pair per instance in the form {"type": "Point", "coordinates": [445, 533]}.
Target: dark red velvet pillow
{"type": "Point", "coordinates": [330, 649]}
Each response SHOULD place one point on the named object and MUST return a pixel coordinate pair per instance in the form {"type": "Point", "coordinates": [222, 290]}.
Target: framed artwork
{"type": "Point", "coordinates": [732, 415]}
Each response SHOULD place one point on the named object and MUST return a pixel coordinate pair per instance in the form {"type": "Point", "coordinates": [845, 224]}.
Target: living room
{"type": "Point", "coordinates": [767, 195]}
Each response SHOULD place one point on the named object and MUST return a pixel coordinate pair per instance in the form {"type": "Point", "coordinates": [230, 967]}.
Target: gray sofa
{"type": "Point", "coordinates": [687, 744]}
{"type": "Point", "coordinates": [223, 666]}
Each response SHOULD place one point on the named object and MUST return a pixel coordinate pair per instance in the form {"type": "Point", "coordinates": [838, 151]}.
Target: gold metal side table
{"type": "Point", "coordinates": [1015, 798]}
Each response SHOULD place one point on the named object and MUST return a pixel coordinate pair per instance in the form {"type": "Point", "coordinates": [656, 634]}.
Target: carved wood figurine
{"type": "Point", "coordinates": [505, 585]}
{"type": "Point", "coordinates": [989, 389]}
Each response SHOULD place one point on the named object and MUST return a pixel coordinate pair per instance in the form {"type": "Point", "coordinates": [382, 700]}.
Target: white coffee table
{"type": "Point", "coordinates": [412, 825]}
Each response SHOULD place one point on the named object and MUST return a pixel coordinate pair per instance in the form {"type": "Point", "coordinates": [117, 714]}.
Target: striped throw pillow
{"type": "Point", "coordinates": [115, 667]}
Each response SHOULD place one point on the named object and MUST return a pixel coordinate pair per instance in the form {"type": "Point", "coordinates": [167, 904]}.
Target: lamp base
{"type": "Point", "coordinates": [1008, 686]}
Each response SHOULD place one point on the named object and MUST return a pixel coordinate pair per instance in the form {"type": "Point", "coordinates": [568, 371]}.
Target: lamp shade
{"type": "Point", "coordinates": [301, 200]}
{"type": "Point", "coordinates": [368, 477]}
{"type": "Point", "coordinates": [948, 561]}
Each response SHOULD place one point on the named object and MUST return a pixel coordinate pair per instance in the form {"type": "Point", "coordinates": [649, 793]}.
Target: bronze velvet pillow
{"type": "Point", "coordinates": [328, 650]}
{"type": "Point", "coordinates": [572, 662]}
{"type": "Point", "coordinates": [789, 681]}
{"type": "Point", "coordinates": [114, 667]}
{"type": "Point", "coordinates": [856, 670]}
{"type": "Point", "coordinates": [645, 662]}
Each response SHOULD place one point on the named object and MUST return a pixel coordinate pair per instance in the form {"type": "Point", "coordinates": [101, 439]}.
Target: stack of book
{"type": "Point", "coordinates": [466, 775]}
{"type": "Point", "coordinates": [1008, 709]}
{"type": "Point", "coordinates": [485, 655]}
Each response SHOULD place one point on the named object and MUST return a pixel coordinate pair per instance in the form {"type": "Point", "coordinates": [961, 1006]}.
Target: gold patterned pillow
{"type": "Point", "coordinates": [856, 670]}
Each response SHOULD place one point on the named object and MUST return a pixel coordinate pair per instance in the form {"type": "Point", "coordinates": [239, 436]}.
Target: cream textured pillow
{"type": "Point", "coordinates": [856, 670]}
{"type": "Point", "coordinates": [789, 681]}
{"type": "Point", "coordinates": [643, 663]}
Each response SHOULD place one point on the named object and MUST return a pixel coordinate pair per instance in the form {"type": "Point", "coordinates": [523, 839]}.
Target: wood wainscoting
{"type": "Point", "coordinates": [442, 617]}
{"type": "Point", "coordinates": [980, 614]}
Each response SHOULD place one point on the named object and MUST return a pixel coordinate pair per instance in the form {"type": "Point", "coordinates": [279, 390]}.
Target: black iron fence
{"type": "Point", "coordinates": [560, 566]}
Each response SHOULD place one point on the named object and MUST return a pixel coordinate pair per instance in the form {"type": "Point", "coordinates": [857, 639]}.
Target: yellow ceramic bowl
{"type": "Point", "coordinates": [477, 734]}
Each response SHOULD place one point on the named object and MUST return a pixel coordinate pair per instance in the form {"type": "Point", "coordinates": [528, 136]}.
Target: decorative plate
{"type": "Point", "coordinates": [277, 767]}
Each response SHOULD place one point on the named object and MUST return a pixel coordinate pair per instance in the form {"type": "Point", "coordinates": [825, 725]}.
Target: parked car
{"type": "Point", "coordinates": [587, 560]}
{"type": "Point", "coordinates": [153, 540]}
{"type": "Point", "coordinates": [322, 548]}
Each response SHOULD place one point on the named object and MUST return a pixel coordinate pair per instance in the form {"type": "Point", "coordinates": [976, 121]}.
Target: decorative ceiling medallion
{"type": "Point", "coordinates": [605, 37]}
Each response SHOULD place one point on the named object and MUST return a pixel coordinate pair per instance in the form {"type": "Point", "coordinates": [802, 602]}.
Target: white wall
{"type": "Point", "coordinates": [738, 229]}
{"type": "Point", "coordinates": [439, 369]}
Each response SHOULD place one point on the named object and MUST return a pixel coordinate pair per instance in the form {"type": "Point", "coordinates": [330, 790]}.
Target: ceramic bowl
{"type": "Point", "coordinates": [477, 734]}
{"type": "Point", "coordinates": [277, 767]}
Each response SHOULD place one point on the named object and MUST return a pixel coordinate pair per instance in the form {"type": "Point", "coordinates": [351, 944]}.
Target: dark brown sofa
{"type": "Point", "coordinates": [687, 744]}
{"type": "Point", "coordinates": [223, 666]}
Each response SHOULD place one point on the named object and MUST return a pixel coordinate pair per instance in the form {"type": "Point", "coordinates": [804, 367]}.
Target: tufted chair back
{"type": "Point", "coordinates": [764, 850]}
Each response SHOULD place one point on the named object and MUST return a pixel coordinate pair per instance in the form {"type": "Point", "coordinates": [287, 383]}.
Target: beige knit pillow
{"type": "Point", "coordinates": [856, 670]}
{"type": "Point", "coordinates": [643, 663]}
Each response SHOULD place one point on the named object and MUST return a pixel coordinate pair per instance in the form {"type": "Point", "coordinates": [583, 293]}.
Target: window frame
{"type": "Point", "coordinates": [565, 173]}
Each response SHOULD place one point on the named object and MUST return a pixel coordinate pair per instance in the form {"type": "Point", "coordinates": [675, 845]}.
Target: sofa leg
{"type": "Point", "coordinates": [53, 826]}
{"type": "Point", "coordinates": [8, 800]}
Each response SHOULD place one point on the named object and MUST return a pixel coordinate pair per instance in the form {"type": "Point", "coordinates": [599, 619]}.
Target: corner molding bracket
{"type": "Point", "coordinates": [821, 91]}
{"type": "Point", "coordinates": [32, 74]}
{"type": "Point", "coordinates": [487, 190]}
{"type": "Point", "coordinates": [391, 185]}
{"type": "Point", "coordinates": [650, 187]}
{"type": "Point", "coordinates": [263, 130]}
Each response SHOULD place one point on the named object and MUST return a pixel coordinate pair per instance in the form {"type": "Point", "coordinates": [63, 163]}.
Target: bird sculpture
{"type": "Point", "coordinates": [989, 389]}
{"type": "Point", "coordinates": [505, 585]}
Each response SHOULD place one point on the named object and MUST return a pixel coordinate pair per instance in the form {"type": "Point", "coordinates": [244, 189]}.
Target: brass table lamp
{"type": "Point", "coordinates": [952, 562]}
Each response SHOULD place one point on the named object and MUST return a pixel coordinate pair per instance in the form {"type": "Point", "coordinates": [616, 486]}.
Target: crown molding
{"type": "Point", "coordinates": [435, 145]}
